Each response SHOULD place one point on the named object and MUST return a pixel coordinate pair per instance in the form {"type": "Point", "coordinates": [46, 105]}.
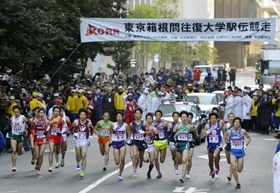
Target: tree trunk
{"type": "Point", "coordinates": [25, 76]}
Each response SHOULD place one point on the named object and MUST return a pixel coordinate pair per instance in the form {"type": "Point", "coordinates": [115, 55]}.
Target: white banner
{"type": "Point", "coordinates": [225, 29]}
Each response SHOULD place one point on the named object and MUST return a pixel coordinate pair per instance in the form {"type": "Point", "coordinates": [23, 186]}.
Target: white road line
{"type": "Point", "coordinates": [99, 181]}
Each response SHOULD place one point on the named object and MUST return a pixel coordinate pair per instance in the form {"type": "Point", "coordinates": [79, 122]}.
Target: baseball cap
{"type": "Point", "coordinates": [12, 98]}
{"type": "Point", "coordinates": [34, 94]}
{"type": "Point", "coordinates": [146, 91]}
{"type": "Point", "coordinates": [80, 91]}
{"type": "Point", "coordinates": [57, 101]}
{"type": "Point", "coordinates": [56, 94]}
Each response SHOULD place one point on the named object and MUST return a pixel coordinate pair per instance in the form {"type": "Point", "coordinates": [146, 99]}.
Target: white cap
{"type": "Point", "coordinates": [56, 95]}
{"type": "Point", "coordinates": [80, 91]}
{"type": "Point", "coordinates": [89, 92]}
{"type": "Point", "coordinates": [129, 87]}
{"type": "Point", "coordinates": [120, 87]}
{"type": "Point", "coordinates": [146, 91]}
{"type": "Point", "coordinates": [41, 95]}
{"type": "Point", "coordinates": [245, 90]}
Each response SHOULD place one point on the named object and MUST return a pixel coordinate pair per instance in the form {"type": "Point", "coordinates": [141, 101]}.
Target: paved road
{"type": "Point", "coordinates": [256, 176]}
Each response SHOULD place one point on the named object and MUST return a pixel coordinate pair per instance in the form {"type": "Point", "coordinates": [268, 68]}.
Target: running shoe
{"type": "Point", "coordinates": [217, 173]}
{"type": "Point", "coordinates": [78, 168]}
{"type": "Point", "coordinates": [135, 174]}
{"type": "Point", "coordinates": [38, 172]}
{"type": "Point", "coordinates": [140, 164]}
{"type": "Point", "coordinates": [62, 163]}
{"type": "Point", "coordinates": [159, 175]}
{"type": "Point", "coordinates": [212, 174]}
{"type": "Point", "coordinates": [33, 161]}
{"type": "Point", "coordinates": [82, 174]}
{"type": "Point", "coordinates": [229, 178]}
{"type": "Point", "coordinates": [188, 176]}
{"type": "Point", "coordinates": [14, 169]}
{"type": "Point", "coordinates": [238, 186]}
{"type": "Point", "coordinates": [182, 180]}
{"type": "Point", "coordinates": [104, 168]}
{"type": "Point", "coordinates": [120, 178]}
{"type": "Point", "coordinates": [176, 172]}
{"type": "Point", "coordinates": [57, 165]}
{"type": "Point", "coordinates": [50, 169]}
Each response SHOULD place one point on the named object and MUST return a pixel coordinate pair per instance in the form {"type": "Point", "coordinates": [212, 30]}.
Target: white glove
{"type": "Point", "coordinates": [244, 147]}
{"type": "Point", "coordinates": [76, 135]}
{"type": "Point", "coordinates": [128, 141]}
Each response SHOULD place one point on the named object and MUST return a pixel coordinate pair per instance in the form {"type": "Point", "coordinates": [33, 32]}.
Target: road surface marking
{"type": "Point", "coordinates": [99, 181]}
{"type": "Point", "coordinates": [270, 139]}
{"type": "Point", "coordinates": [206, 157]}
{"type": "Point", "coordinates": [190, 190]}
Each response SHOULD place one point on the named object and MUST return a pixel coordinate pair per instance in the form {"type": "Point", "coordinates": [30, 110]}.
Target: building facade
{"type": "Point", "coordinates": [242, 54]}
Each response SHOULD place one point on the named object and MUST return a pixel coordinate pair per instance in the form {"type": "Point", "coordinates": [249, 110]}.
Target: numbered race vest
{"type": "Point", "coordinates": [18, 126]}
{"type": "Point", "coordinates": [119, 132]}
{"type": "Point", "coordinates": [138, 131]}
{"type": "Point", "coordinates": [215, 136]}
{"type": "Point", "coordinates": [40, 129]}
{"type": "Point", "coordinates": [182, 133]}
{"type": "Point", "coordinates": [149, 135]}
{"type": "Point", "coordinates": [104, 128]}
{"type": "Point", "coordinates": [82, 130]}
{"type": "Point", "coordinates": [55, 125]}
{"type": "Point", "coordinates": [237, 140]}
{"type": "Point", "coordinates": [161, 129]}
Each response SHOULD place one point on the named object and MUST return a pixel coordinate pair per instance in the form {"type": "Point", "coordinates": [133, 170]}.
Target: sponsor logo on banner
{"type": "Point", "coordinates": [226, 29]}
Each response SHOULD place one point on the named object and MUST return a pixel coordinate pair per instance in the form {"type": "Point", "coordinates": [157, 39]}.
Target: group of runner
{"type": "Point", "coordinates": [148, 140]}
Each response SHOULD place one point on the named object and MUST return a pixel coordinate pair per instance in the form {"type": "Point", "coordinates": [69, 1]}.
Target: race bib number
{"type": "Point", "coordinates": [120, 135]}
{"type": "Point", "coordinates": [17, 129]}
{"type": "Point", "coordinates": [82, 135]}
{"type": "Point", "coordinates": [40, 135]}
{"type": "Point", "coordinates": [236, 144]}
{"type": "Point", "coordinates": [105, 132]}
{"type": "Point", "coordinates": [55, 131]}
{"type": "Point", "coordinates": [148, 140]}
{"type": "Point", "coordinates": [213, 138]}
{"type": "Point", "coordinates": [183, 137]}
{"type": "Point", "coordinates": [161, 135]}
{"type": "Point", "coordinates": [139, 136]}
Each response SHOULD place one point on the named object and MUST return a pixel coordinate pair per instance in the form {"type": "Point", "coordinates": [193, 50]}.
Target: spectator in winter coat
{"type": "Point", "coordinates": [228, 104]}
{"type": "Point", "coordinates": [144, 102]}
{"type": "Point", "coordinates": [108, 104]}
{"type": "Point", "coordinates": [232, 76]}
{"type": "Point", "coordinates": [247, 104]}
{"type": "Point", "coordinates": [237, 104]}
